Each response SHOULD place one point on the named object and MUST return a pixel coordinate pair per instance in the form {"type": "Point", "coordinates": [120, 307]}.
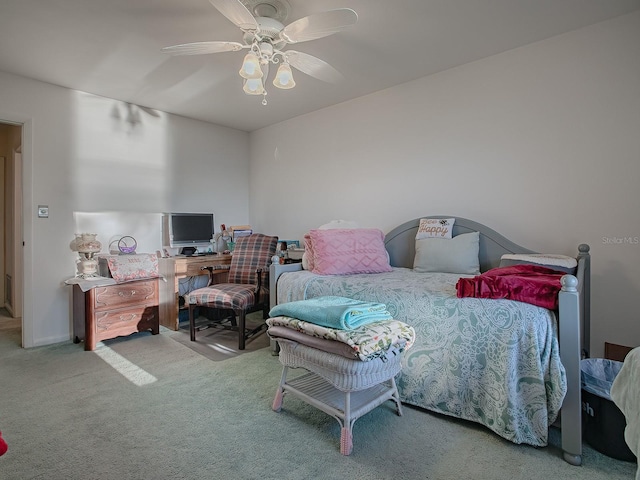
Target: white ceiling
{"type": "Point", "coordinates": [112, 48]}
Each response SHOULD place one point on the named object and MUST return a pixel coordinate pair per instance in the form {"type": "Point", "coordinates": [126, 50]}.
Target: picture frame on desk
{"type": "Point", "coordinates": [241, 233]}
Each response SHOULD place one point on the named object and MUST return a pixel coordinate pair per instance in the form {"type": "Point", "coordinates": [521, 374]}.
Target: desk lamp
{"type": "Point", "coordinates": [87, 246]}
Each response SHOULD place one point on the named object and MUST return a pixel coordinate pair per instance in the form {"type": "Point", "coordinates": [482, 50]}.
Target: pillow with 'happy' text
{"type": "Point", "coordinates": [435, 227]}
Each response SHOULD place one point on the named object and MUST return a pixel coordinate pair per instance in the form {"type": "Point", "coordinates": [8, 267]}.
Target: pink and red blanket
{"type": "Point", "coordinates": [3, 445]}
{"type": "Point", "coordinates": [523, 283]}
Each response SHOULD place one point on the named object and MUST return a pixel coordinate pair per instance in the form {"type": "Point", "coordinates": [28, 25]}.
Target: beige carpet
{"type": "Point", "coordinates": [147, 407]}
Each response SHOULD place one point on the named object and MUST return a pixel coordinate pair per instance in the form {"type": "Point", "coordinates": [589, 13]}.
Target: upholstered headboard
{"type": "Point", "coordinates": [400, 242]}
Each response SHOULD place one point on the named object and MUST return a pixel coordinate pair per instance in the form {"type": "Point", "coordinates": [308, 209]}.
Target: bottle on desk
{"type": "Point", "coordinates": [281, 251]}
{"type": "Point", "coordinates": [223, 241]}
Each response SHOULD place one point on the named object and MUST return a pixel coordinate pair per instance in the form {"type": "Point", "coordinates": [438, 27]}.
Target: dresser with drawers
{"type": "Point", "coordinates": [106, 312]}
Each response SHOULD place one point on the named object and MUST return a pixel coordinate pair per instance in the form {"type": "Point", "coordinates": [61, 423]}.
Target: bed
{"type": "Point", "coordinates": [507, 365]}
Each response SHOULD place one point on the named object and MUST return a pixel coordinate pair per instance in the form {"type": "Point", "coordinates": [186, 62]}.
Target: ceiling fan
{"type": "Point", "coordinates": [266, 36]}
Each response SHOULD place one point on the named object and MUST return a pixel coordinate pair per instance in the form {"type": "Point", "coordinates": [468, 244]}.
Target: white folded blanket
{"type": "Point", "coordinates": [543, 258]}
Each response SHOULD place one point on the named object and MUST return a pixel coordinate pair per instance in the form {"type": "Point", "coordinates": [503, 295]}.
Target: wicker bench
{"type": "Point", "coordinates": [341, 387]}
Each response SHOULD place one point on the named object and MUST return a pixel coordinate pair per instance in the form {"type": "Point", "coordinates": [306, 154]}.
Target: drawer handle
{"type": "Point", "coordinates": [129, 294]}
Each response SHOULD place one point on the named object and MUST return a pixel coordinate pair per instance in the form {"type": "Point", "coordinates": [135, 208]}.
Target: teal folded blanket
{"type": "Point", "coordinates": [333, 312]}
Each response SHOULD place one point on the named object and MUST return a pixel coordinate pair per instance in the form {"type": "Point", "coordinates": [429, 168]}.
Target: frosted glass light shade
{"type": "Point", "coordinates": [250, 67]}
{"type": "Point", "coordinates": [284, 77]}
{"type": "Point", "coordinates": [253, 86]}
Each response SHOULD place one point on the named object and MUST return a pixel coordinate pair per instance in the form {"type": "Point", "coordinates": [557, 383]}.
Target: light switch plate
{"type": "Point", "coordinates": [43, 211]}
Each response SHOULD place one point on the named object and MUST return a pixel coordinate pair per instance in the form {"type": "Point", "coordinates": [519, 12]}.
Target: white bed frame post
{"type": "Point", "coordinates": [275, 270]}
{"type": "Point", "coordinates": [584, 287]}
{"type": "Point", "coordinates": [573, 305]}
{"type": "Point", "coordinates": [569, 332]}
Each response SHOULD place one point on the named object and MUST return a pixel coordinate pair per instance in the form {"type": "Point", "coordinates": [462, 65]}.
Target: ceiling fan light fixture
{"type": "Point", "coordinates": [251, 67]}
{"type": "Point", "coordinates": [253, 86]}
{"type": "Point", "coordinates": [284, 77]}
{"type": "Point", "coordinates": [266, 37]}
{"type": "Point", "coordinates": [266, 51]}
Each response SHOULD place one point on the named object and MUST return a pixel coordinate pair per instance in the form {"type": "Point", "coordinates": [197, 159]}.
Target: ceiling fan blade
{"type": "Point", "coordinates": [318, 25]}
{"type": "Point", "coordinates": [235, 11]}
{"type": "Point", "coordinates": [313, 66]}
{"type": "Point", "coordinates": [199, 48]}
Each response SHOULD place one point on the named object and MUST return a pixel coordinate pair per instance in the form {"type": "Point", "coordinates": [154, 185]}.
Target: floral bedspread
{"type": "Point", "coordinates": [494, 362]}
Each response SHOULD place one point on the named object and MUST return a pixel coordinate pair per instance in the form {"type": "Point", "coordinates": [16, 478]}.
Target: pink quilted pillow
{"type": "Point", "coordinates": [345, 251]}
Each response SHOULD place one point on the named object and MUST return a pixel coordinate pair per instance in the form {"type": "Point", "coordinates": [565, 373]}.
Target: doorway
{"type": "Point", "coordinates": [11, 251]}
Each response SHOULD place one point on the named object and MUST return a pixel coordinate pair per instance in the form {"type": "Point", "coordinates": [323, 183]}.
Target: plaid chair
{"type": "Point", "coordinates": [247, 289]}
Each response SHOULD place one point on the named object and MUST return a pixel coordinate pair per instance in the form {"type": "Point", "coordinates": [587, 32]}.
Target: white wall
{"type": "Point", "coordinates": [82, 155]}
{"type": "Point", "coordinates": [541, 143]}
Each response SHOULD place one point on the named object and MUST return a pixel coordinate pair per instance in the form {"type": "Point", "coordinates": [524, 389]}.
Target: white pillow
{"type": "Point", "coordinates": [305, 261]}
{"type": "Point", "coordinates": [335, 224]}
{"type": "Point", "coordinates": [435, 227]}
{"type": "Point", "coordinates": [457, 255]}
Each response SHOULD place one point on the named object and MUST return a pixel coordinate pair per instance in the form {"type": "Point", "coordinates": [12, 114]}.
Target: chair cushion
{"type": "Point", "coordinates": [224, 295]}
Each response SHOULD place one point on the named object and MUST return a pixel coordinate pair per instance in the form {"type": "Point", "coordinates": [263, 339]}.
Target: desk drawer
{"type": "Point", "coordinates": [143, 292]}
{"type": "Point", "coordinates": [193, 269]}
{"type": "Point", "coordinates": [191, 266]}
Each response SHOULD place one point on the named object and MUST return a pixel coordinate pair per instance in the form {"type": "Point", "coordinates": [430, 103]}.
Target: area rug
{"type": "Point", "coordinates": [219, 345]}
